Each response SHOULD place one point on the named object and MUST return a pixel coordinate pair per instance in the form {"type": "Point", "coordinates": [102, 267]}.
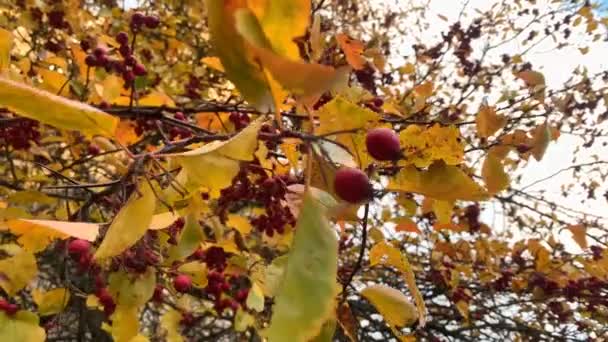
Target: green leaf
{"type": "Point", "coordinates": [440, 181]}
{"type": "Point", "coordinates": [327, 331]}
{"type": "Point", "coordinates": [189, 241]}
{"type": "Point", "coordinates": [130, 224]}
{"type": "Point", "coordinates": [22, 327]}
{"type": "Point", "coordinates": [55, 110]}
{"type": "Point", "coordinates": [391, 304]}
{"type": "Point", "coordinates": [305, 298]}
{"type": "Point", "coordinates": [132, 289]}
{"type": "Point", "coordinates": [236, 60]}
{"type": "Point", "coordinates": [255, 299]}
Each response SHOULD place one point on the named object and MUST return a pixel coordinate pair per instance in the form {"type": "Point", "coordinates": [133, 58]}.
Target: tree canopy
{"type": "Point", "coordinates": [302, 170]}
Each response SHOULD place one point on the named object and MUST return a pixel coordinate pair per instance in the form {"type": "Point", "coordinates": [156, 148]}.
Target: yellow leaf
{"type": "Point", "coordinates": [125, 323]}
{"type": "Point", "coordinates": [540, 141]}
{"type": "Point", "coordinates": [493, 174]}
{"type": "Point", "coordinates": [17, 271]}
{"type": "Point", "coordinates": [391, 304]}
{"type": "Point", "coordinates": [170, 322]}
{"type": "Point", "coordinates": [305, 298]}
{"type": "Point", "coordinates": [51, 302]}
{"type": "Point", "coordinates": [406, 224]}
{"type": "Point", "coordinates": [282, 22]}
{"type": "Point", "coordinates": [255, 299]}
{"type": "Point", "coordinates": [243, 320]}
{"type": "Point", "coordinates": [130, 224]}
{"type": "Point", "coordinates": [488, 122]}
{"type": "Point", "coordinates": [352, 49]}
{"type": "Point", "coordinates": [54, 82]}
{"type": "Point", "coordinates": [163, 220]}
{"type": "Point", "coordinates": [579, 234]}
{"type": "Point", "coordinates": [23, 326]}
{"type": "Point", "coordinates": [110, 88]}
{"type": "Point", "coordinates": [237, 61]}
{"type": "Point", "coordinates": [408, 69]}
{"type": "Point", "coordinates": [214, 165]}
{"type": "Point", "coordinates": [6, 43]}
{"type": "Point", "coordinates": [463, 308]}
{"type": "Point", "coordinates": [422, 146]}
{"type": "Point", "coordinates": [383, 253]}
{"type": "Point", "coordinates": [35, 235]}
{"type": "Point", "coordinates": [239, 223]}
{"type": "Point", "coordinates": [156, 98]}
{"type": "Point", "coordinates": [440, 181]}
{"type": "Point", "coordinates": [125, 132]}
{"type": "Point", "coordinates": [132, 290]}
{"type": "Point", "coordinates": [214, 63]}
{"type": "Point", "coordinates": [443, 211]}
{"type": "Point", "coordinates": [197, 271]}
{"type": "Point", "coordinates": [189, 240]}
{"type": "Point", "coordinates": [55, 110]}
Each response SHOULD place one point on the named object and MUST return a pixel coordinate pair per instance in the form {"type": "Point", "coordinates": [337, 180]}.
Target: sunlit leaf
{"type": "Point", "coordinates": [51, 302]}
{"type": "Point", "coordinates": [17, 271]}
{"type": "Point", "coordinates": [440, 181]}
{"type": "Point", "coordinates": [125, 323]}
{"type": "Point", "coordinates": [392, 305]}
{"type": "Point", "coordinates": [23, 326]}
{"type": "Point", "coordinates": [125, 132]}
{"type": "Point", "coordinates": [130, 224]}
{"type": "Point", "coordinates": [35, 235]}
{"type": "Point", "coordinates": [305, 298]}
{"type": "Point", "coordinates": [214, 63]}
{"type": "Point", "coordinates": [239, 223]}
{"type": "Point", "coordinates": [352, 49]}
{"type": "Point", "coordinates": [55, 110]}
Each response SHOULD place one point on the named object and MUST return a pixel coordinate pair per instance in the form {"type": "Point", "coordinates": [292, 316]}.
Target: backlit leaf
{"type": "Point", "coordinates": [494, 174]}
{"type": "Point", "coordinates": [236, 60]}
{"type": "Point", "coordinates": [55, 110]}
{"type": "Point", "coordinates": [440, 181]}
{"type": "Point", "coordinates": [391, 304]}
{"type": "Point", "coordinates": [6, 43]}
{"type": "Point", "coordinates": [488, 122]}
{"type": "Point", "coordinates": [540, 141]}
{"type": "Point", "coordinates": [35, 235]}
{"type": "Point", "coordinates": [305, 298]}
{"type": "Point", "coordinates": [130, 224]}
{"type": "Point", "coordinates": [579, 234]}
{"type": "Point", "coordinates": [51, 302]}
{"type": "Point", "coordinates": [406, 224]}
{"type": "Point", "coordinates": [352, 49]}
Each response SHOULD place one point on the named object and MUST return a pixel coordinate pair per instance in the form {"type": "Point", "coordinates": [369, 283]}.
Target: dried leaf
{"type": "Point", "coordinates": [352, 49]}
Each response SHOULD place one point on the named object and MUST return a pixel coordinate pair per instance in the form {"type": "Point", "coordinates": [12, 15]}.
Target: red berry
{"type": "Point", "coordinates": [352, 185]}
{"type": "Point", "coordinates": [158, 294]}
{"type": "Point", "coordinates": [124, 50]}
{"type": "Point", "coordinates": [90, 60]}
{"type": "Point", "coordinates": [104, 296]}
{"type": "Point", "coordinates": [378, 102]}
{"type": "Point", "coordinates": [241, 295]}
{"type": "Point", "coordinates": [11, 309]}
{"type": "Point", "coordinates": [137, 19]}
{"type": "Point", "coordinates": [383, 144]}
{"type": "Point", "coordinates": [180, 116]}
{"type": "Point", "coordinates": [130, 60]}
{"type": "Point", "coordinates": [122, 38]}
{"type": "Point", "coordinates": [93, 149]}
{"type": "Point", "coordinates": [128, 76]}
{"type": "Point", "coordinates": [99, 51]}
{"type": "Point", "coordinates": [139, 70]}
{"type": "Point", "coordinates": [182, 283]}
{"type": "Point", "coordinates": [151, 21]}
{"type": "Point", "coordinates": [79, 247]}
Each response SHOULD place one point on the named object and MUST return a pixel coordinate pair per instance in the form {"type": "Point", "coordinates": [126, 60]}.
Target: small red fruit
{"type": "Point", "coordinates": [122, 38]}
{"type": "Point", "coordinates": [93, 149]}
{"type": "Point", "coordinates": [90, 61]}
{"type": "Point", "coordinates": [182, 283]}
{"type": "Point", "coordinates": [383, 144]}
{"type": "Point", "coordinates": [139, 69]}
{"type": "Point", "coordinates": [79, 247]}
{"type": "Point", "coordinates": [352, 185]}
{"type": "Point", "coordinates": [151, 21]}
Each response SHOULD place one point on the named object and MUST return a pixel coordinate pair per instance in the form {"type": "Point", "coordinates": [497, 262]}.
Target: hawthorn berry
{"type": "Point", "coordinates": [139, 69]}
{"type": "Point", "coordinates": [137, 19]}
{"type": "Point", "coordinates": [182, 283]}
{"type": "Point", "coordinates": [352, 185]}
{"type": "Point", "coordinates": [90, 61]}
{"type": "Point", "coordinates": [79, 247]}
{"type": "Point", "coordinates": [383, 144]}
{"type": "Point", "coordinates": [151, 21]}
{"type": "Point", "coordinates": [122, 38]}
{"type": "Point", "coordinates": [93, 149]}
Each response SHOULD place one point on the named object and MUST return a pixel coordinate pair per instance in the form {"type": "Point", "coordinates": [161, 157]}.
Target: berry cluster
{"type": "Point", "coordinates": [19, 133]}
{"type": "Point", "coordinates": [218, 285]}
{"type": "Point", "coordinates": [80, 251]}
{"type": "Point", "coordinates": [175, 132]}
{"type": "Point", "coordinates": [239, 120]}
{"type": "Point", "coordinates": [129, 68]}
{"type": "Point", "coordinates": [192, 88]}
{"type": "Point", "coordinates": [267, 192]}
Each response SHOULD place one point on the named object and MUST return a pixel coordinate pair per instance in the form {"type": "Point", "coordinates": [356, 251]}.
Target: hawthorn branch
{"type": "Point", "coordinates": [361, 253]}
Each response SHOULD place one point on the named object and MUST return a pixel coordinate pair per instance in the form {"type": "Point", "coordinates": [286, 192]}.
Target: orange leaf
{"type": "Point", "coordinates": [347, 321]}
{"type": "Point", "coordinates": [579, 234]}
{"type": "Point", "coordinates": [211, 121]}
{"type": "Point", "coordinates": [352, 49]}
{"type": "Point", "coordinates": [425, 89]}
{"type": "Point", "coordinates": [488, 122]}
{"type": "Point", "coordinates": [532, 78]}
{"type": "Point", "coordinates": [125, 132]}
{"type": "Point", "coordinates": [406, 224]}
